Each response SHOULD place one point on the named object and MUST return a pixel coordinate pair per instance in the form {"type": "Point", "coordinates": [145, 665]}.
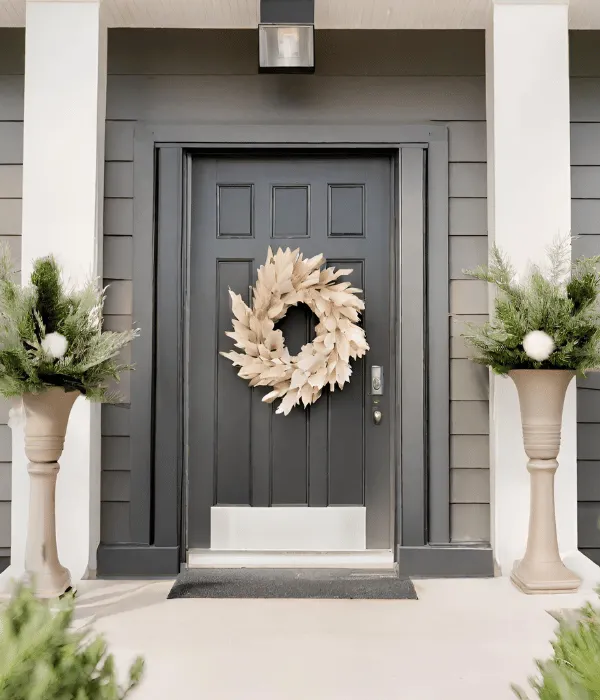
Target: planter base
{"type": "Point", "coordinates": [46, 574]}
{"type": "Point", "coordinates": [550, 577]}
{"type": "Point", "coordinates": [52, 583]}
{"type": "Point", "coordinates": [47, 415]}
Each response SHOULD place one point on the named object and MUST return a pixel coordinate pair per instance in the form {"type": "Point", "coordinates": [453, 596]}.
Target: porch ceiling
{"type": "Point", "coordinates": [330, 14]}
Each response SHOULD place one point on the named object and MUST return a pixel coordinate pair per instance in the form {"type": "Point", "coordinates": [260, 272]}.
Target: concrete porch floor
{"type": "Point", "coordinates": [463, 639]}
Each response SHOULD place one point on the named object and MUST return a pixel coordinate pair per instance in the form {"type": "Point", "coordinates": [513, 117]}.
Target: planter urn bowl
{"type": "Point", "coordinates": [46, 418]}
{"type": "Point", "coordinates": [541, 398]}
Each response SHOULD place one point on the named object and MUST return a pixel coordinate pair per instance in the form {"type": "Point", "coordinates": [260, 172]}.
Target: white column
{"type": "Point", "coordinates": [529, 205]}
{"type": "Point", "coordinates": [63, 172]}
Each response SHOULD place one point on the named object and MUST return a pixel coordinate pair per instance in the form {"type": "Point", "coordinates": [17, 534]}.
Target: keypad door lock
{"type": "Point", "coordinates": [376, 380]}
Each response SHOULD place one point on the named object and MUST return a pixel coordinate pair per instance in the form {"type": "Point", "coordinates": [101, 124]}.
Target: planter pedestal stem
{"type": "Point", "coordinates": [46, 418]}
{"type": "Point", "coordinates": [541, 398]}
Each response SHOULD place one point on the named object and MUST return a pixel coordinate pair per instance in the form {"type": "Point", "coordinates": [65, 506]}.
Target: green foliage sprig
{"type": "Point", "coordinates": [43, 658]}
{"type": "Point", "coordinates": [573, 670]}
{"type": "Point", "coordinates": [561, 301]}
{"type": "Point", "coordinates": [44, 311]}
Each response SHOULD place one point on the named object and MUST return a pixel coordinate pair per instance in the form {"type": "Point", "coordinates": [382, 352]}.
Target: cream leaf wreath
{"type": "Point", "coordinates": [288, 279]}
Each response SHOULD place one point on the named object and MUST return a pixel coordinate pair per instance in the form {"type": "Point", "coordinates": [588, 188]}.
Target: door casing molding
{"type": "Point", "coordinates": [421, 463]}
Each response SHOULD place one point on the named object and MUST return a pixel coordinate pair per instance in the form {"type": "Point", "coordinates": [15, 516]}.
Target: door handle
{"type": "Point", "coordinates": [377, 416]}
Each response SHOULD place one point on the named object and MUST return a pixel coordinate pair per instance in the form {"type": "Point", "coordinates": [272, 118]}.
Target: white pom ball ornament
{"type": "Point", "coordinates": [538, 345]}
{"type": "Point", "coordinates": [55, 345]}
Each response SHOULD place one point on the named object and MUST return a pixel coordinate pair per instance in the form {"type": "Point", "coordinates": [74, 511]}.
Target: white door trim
{"type": "Point", "coordinates": [292, 528]}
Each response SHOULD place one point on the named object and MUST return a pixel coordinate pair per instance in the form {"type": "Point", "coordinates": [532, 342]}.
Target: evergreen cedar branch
{"type": "Point", "coordinates": [561, 301]}
{"type": "Point", "coordinates": [573, 670]}
{"type": "Point", "coordinates": [29, 313]}
{"type": "Point", "coordinates": [43, 658]}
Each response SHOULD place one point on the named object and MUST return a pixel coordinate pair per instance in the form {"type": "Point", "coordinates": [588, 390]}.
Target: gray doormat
{"type": "Point", "coordinates": [292, 583]}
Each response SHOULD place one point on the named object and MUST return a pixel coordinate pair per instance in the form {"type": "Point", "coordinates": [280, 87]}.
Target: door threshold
{"type": "Point", "coordinates": [230, 559]}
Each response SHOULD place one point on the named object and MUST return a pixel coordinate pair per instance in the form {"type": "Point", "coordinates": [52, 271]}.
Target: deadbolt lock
{"type": "Point", "coordinates": [376, 380]}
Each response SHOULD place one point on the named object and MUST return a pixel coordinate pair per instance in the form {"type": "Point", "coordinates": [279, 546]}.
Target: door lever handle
{"type": "Point", "coordinates": [377, 416]}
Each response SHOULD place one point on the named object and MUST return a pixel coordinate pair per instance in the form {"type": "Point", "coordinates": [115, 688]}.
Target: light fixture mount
{"type": "Point", "coordinates": [286, 36]}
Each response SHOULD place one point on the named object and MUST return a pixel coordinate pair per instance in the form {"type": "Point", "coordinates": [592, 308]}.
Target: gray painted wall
{"type": "Point", "coordinates": [210, 76]}
{"type": "Point", "coordinates": [585, 178]}
{"type": "Point", "coordinates": [11, 159]}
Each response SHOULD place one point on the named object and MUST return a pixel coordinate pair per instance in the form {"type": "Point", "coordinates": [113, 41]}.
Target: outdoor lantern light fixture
{"type": "Point", "coordinates": [286, 42]}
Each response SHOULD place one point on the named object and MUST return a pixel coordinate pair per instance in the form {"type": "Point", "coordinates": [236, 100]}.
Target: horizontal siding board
{"type": "Point", "coordinates": [118, 257]}
{"type": "Point", "coordinates": [116, 453]}
{"type": "Point", "coordinates": [585, 144]}
{"type": "Point", "coordinates": [586, 245]}
{"type": "Point", "coordinates": [11, 181]}
{"type": "Point", "coordinates": [585, 215]}
{"type": "Point", "coordinates": [458, 323]}
{"type": "Point", "coordinates": [258, 99]}
{"type": "Point", "coordinates": [115, 421]}
{"type": "Point", "coordinates": [5, 524]}
{"type": "Point", "coordinates": [5, 443]}
{"type": "Point", "coordinates": [588, 441]}
{"type": "Point", "coordinates": [11, 143]}
{"type": "Point", "coordinates": [12, 50]}
{"type": "Point", "coordinates": [469, 452]}
{"type": "Point", "coordinates": [468, 297]}
{"type": "Point", "coordinates": [585, 182]}
{"type": "Point", "coordinates": [469, 418]}
{"type": "Point", "coordinates": [122, 388]}
{"type": "Point", "coordinates": [585, 105]}
{"type": "Point", "coordinates": [11, 97]}
{"type": "Point", "coordinates": [119, 297]}
{"type": "Point", "coordinates": [118, 324]}
{"type": "Point", "coordinates": [119, 141]}
{"type": "Point", "coordinates": [467, 142]}
{"type": "Point", "coordinates": [118, 217]}
{"type": "Point", "coordinates": [459, 349]}
{"type": "Point", "coordinates": [583, 54]}
{"type": "Point", "coordinates": [591, 381]}
{"type": "Point", "coordinates": [469, 485]}
{"type": "Point", "coordinates": [348, 52]}
{"type": "Point", "coordinates": [5, 405]}
{"type": "Point", "coordinates": [468, 216]}
{"type": "Point", "coordinates": [588, 524]}
{"type": "Point", "coordinates": [466, 253]}
{"type": "Point", "coordinates": [5, 481]}
{"type": "Point", "coordinates": [468, 381]}
{"type": "Point", "coordinates": [588, 406]}
{"type": "Point", "coordinates": [115, 487]}
{"type": "Point", "coordinates": [468, 180]}
{"type": "Point", "coordinates": [14, 246]}
{"type": "Point", "coordinates": [470, 522]}
{"type": "Point", "coordinates": [10, 217]}
{"type": "Point", "coordinates": [588, 481]}
{"type": "Point", "coordinates": [118, 180]}
{"type": "Point", "coordinates": [114, 523]}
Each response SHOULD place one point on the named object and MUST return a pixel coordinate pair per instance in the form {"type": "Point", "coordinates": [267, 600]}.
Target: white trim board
{"type": "Point", "coordinates": [289, 529]}
{"type": "Point", "coordinates": [212, 559]}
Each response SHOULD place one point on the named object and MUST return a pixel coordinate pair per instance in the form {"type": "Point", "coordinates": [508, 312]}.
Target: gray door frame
{"type": "Point", "coordinates": [422, 491]}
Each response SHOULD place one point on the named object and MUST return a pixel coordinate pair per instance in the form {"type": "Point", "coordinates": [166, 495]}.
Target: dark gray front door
{"type": "Point", "coordinates": [240, 452]}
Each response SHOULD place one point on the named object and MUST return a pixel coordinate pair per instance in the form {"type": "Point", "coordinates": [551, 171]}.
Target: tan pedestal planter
{"type": "Point", "coordinates": [46, 418]}
{"type": "Point", "coordinates": [541, 397]}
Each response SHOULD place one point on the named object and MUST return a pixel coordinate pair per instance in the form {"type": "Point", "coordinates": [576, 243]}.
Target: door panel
{"type": "Point", "coordinates": [240, 452]}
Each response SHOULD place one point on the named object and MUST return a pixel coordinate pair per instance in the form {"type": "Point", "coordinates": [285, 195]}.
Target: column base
{"type": "Point", "coordinates": [544, 578]}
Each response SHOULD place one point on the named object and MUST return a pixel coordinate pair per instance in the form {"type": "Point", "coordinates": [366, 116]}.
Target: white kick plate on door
{"type": "Point", "coordinates": [288, 529]}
